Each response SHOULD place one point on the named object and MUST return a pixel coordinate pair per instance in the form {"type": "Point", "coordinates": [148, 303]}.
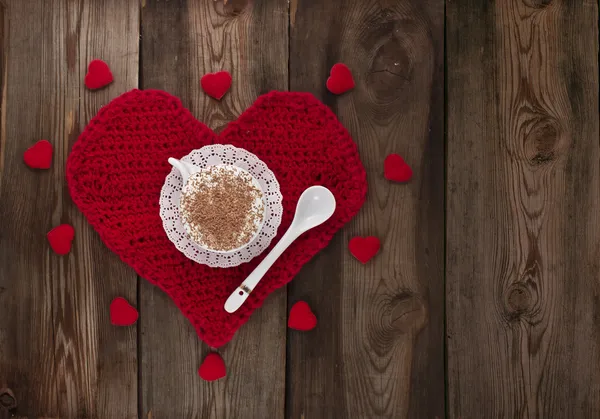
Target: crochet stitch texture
{"type": "Point", "coordinates": [118, 165]}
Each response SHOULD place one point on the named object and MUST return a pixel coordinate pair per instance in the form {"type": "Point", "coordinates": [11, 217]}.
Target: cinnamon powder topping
{"type": "Point", "coordinates": [221, 208]}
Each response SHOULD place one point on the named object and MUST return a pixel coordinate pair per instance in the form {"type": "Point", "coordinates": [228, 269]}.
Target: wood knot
{"type": "Point", "coordinates": [401, 51]}
{"type": "Point", "coordinates": [522, 297]}
{"type": "Point", "coordinates": [519, 299]}
{"type": "Point", "coordinates": [537, 4]}
{"type": "Point", "coordinates": [541, 142]}
{"type": "Point", "coordinates": [232, 8]}
{"type": "Point", "coordinates": [407, 313]}
{"type": "Point", "coordinates": [391, 67]}
{"type": "Point", "coordinates": [7, 399]}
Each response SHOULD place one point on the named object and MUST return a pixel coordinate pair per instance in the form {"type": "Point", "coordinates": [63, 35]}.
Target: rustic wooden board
{"type": "Point", "coordinates": [378, 348]}
{"type": "Point", "coordinates": [59, 354]}
{"type": "Point", "coordinates": [181, 41]}
{"type": "Point", "coordinates": [523, 200]}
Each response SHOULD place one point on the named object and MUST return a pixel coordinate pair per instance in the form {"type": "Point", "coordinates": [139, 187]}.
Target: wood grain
{"type": "Point", "coordinates": [181, 41]}
{"type": "Point", "coordinates": [378, 349]}
{"type": "Point", "coordinates": [523, 233]}
{"type": "Point", "coordinates": [59, 354]}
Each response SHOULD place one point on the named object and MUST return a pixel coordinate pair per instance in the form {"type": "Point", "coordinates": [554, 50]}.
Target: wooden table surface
{"type": "Point", "coordinates": [484, 303]}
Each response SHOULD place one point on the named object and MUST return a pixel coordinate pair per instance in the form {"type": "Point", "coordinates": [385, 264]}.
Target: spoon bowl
{"type": "Point", "coordinates": [315, 206]}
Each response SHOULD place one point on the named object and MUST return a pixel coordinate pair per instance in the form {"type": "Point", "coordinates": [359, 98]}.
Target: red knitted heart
{"type": "Point", "coordinates": [118, 165]}
{"type": "Point", "coordinates": [122, 313]}
{"type": "Point", "coordinates": [302, 317]}
{"type": "Point", "coordinates": [340, 79]}
{"type": "Point", "coordinates": [364, 248]}
{"type": "Point", "coordinates": [212, 368]}
{"type": "Point", "coordinates": [98, 75]}
{"type": "Point", "coordinates": [60, 238]}
{"type": "Point", "coordinates": [216, 84]}
{"type": "Point", "coordinates": [39, 155]}
{"type": "Point", "coordinates": [396, 169]}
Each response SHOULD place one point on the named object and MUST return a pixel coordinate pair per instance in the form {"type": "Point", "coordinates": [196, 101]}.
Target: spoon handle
{"type": "Point", "coordinates": [237, 298]}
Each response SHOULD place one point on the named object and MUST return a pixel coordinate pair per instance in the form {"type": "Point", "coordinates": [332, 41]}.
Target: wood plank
{"type": "Point", "coordinates": [59, 354]}
{"type": "Point", "coordinates": [181, 41]}
{"type": "Point", "coordinates": [523, 234]}
{"type": "Point", "coordinates": [378, 348]}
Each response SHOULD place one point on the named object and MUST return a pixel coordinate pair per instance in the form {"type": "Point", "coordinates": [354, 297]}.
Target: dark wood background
{"type": "Point", "coordinates": [485, 301]}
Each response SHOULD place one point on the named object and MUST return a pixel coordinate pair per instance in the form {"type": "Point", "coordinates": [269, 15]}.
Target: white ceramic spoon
{"type": "Point", "coordinates": [315, 206]}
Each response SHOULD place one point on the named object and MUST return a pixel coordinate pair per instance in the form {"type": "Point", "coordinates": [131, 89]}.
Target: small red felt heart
{"type": "Point", "coordinates": [39, 155]}
{"type": "Point", "coordinates": [302, 317]}
{"type": "Point", "coordinates": [364, 248]}
{"type": "Point", "coordinates": [98, 75]}
{"type": "Point", "coordinates": [340, 79]}
{"type": "Point", "coordinates": [60, 238]}
{"type": "Point", "coordinates": [396, 169]}
{"type": "Point", "coordinates": [216, 84]}
{"type": "Point", "coordinates": [122, 313]}
{"type": "Point", "coordinates": [212, 368]}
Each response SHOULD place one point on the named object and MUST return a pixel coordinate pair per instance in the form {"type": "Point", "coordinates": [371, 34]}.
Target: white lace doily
{"type": "Point", "coordinates": [208, 156]}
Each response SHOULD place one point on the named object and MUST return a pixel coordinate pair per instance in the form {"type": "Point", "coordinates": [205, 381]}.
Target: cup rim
{"type": "Point", "coordinates": [258, 230]}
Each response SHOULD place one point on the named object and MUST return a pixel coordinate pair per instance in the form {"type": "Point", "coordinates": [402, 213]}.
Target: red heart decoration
{"type": "Point", "coordinates": [302, 317]}
{"type": "Point", "coordinates": [39, 155]}
{"type": "Point", "coordinates": [340, 79]}
{"type": "Point", "coordinates": [216, 84]}
{"type": "Point", "coordinates": [364, 248]}
{"type": "Point", "coordinates": [212, 368]}
{"type": "Point", "coordinates": [118, 166]}
{"type": "Point", "coordinates": [60, 238]}
{"type": "Point", "coordinates": [98, 75]}
{"type": "Point", "coordinates": [396, 169]}
{"type": "Point", "coordinates": [122, 313]}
